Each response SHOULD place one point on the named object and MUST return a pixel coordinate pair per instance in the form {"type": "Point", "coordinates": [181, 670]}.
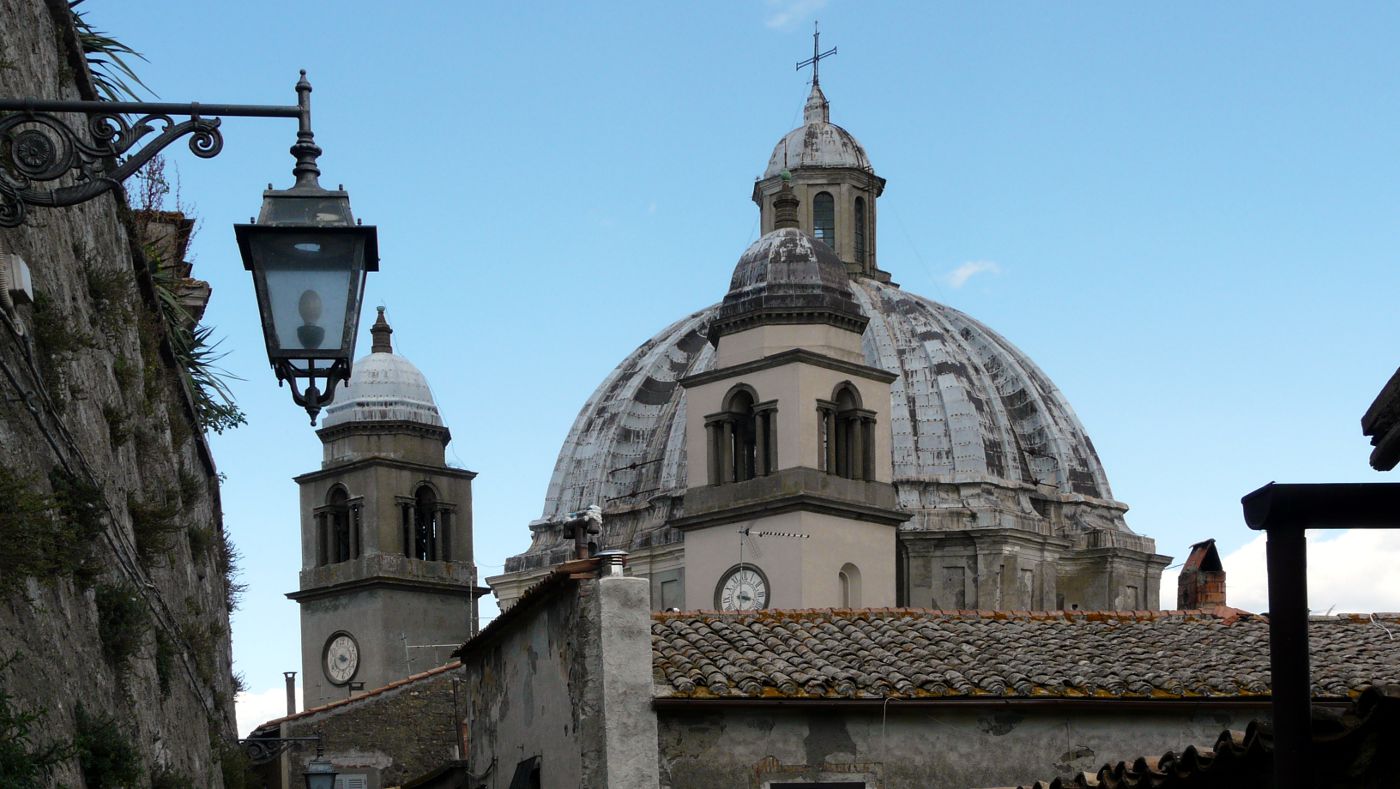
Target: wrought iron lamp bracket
{"type": "Point", "coordinates": [39, 148]}
{"type": "Point", "coordinates": [261, 750]}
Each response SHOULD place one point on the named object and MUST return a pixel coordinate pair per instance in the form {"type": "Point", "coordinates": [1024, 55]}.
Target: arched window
{"type": "Point", "coordinates": [859, 217]}
{"type": "Point", "coordinates": [849, 579]}
{"type": "Point", "coordinates": [740, 408]}
{"type": "Point", "coordinates": [742, 438]}
{"type": "Point", "coordinates": [338, 513]}
{"type": "Point", "coordinates": [824, 218]}
{"type": "Point", "coordinates": [422, 543]}
{"type": "Point", "coordinates": [847, 435]}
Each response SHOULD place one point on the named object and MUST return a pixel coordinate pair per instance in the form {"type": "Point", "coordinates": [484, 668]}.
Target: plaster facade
{"type": "Point", "coordinates": [802, 555]}
{"type": "Point", "coordinates": [907, 744]}
{"type": "Point", "coordinates": [564, 685]}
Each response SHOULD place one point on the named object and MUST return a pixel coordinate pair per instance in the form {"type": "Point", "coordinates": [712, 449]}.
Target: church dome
{"type": "Point", "coordinates": [817, 142]}
{"type": "Point", "coordinates": [383, 387]}
{"type": "Point", "coordinates": [967, 409]}
{"type": "Point", "coordinates": [784, 275]}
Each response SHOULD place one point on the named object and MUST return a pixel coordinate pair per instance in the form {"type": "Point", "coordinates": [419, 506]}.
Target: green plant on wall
{"type": "Point", "coordinates": [106, 59]}
{"type": "Point", "coordinates": [122, 622]}
{"type": "Point", "coordinates": [106, 756]}
{"type": "Point", "coordinates": [49, 535]}
{"type": "Point", "coordinates": [25, 763]}
{"type": "Point", "coordinates": [194, 345]}
{"type": "Point", "coordinates": [154, 524]}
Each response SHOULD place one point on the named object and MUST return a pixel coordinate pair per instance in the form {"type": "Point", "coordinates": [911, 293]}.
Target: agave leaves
{"type": "Point", "coordinates": [106, 60]}
{"type": "Point", "coordinates": [198, 353]}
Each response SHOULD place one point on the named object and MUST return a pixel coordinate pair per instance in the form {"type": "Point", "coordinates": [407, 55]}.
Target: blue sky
{"type": "Point", "coordinates": [1185, 213]}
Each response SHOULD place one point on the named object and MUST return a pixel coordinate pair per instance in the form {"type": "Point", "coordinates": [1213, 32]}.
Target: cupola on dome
{"type": "Point", "coordinates": [384, 387]}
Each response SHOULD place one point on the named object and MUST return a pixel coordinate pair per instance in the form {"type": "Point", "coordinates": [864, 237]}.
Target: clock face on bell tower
{"type": "Point", "coordinates": [342, 658]}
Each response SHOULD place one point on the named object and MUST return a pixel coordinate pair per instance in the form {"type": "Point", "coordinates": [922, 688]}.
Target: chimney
{"type": "Point", "coordinates": [1202, 581]}
{"type": "Point", "coordinates": [291, 678]}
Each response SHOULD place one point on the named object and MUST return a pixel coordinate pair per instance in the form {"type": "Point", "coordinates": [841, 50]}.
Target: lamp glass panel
{"type": "Point", "coordinates": [317, 210]}
{"type": "Point", "coordinates": [308, 280]}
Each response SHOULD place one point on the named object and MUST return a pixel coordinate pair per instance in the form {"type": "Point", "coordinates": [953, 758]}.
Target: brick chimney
{"type": "Point", "coordinates": [1202, 581]}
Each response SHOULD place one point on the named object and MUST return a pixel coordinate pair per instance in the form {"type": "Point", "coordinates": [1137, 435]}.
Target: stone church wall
{"type": "Point", "coordinates": [903, 745]}
{"type": "Point", "coordinates": [114, 624]}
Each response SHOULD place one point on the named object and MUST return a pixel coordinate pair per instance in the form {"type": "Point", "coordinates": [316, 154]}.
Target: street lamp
{"type": "Point", "coordinates": [307, 253]}
{"type": "Point", "coordinates": [309, 258]}
{"type": "Point", "coordinates": [320, 773]}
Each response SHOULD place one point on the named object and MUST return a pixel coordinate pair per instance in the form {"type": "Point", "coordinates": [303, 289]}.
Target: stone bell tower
{"type": "Point", "coordinates": [790, 502]}
{"type": "Point", "coordinates": [388, 584]}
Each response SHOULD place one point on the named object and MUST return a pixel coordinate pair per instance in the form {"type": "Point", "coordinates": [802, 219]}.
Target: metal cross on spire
{"type": "Point", "coordinates": [815, 60]}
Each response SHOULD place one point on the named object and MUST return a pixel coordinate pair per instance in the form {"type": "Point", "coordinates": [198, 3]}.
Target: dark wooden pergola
{"type": "Point", "coordinates": [1285, 513]}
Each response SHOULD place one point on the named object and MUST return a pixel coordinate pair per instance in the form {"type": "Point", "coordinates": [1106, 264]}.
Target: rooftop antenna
{"type": "Point", "coordinates": [815, 60]}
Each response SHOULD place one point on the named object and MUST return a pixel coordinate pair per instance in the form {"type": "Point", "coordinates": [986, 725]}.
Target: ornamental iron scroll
{"type": "Point", "coordinates": [48, 161]}
{"type": "Point", "coordinates": [261, 750]}
{"type": "Point", "coordinates": [39, 147]}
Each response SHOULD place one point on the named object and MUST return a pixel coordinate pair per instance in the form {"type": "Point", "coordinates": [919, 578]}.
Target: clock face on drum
{"type": "Point", "coordinates": [742, 589]}
{"type": "Point", "coordinates": [342, 658]}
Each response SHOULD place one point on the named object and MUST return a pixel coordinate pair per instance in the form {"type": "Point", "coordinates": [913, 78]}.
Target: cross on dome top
{"type": "Point", "coordinates": [817, 110]}
{"type": "Point", "coordinates": [815, 60]}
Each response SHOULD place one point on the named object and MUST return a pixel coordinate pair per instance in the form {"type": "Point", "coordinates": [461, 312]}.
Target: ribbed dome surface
{"type": "Point", "coordinates": [384, 387]}
{"type": "Point", "coordinates": [816, 143]}
{"type": "Point", "coordinates": [967, 406]}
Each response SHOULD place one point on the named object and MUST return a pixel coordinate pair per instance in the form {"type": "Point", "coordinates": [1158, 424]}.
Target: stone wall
{"type": "Point", "coordinates": [113, 593]}
{"type": "Point", "coordinates": [387, 737]}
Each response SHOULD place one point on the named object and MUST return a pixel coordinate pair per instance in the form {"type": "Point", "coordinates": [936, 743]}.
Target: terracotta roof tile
{"type": "Point", "coordinates": [908, 653]}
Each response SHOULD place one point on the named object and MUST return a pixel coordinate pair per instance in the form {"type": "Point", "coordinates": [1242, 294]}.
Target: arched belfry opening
{"type": "Point", "coordinates": [847, 440]}
{"type": "Point", "coordinates": [741, 439]}
{"type": "Point", "coordinates": [424, 538]}
{"type": "Point", "coordinates": [338, 517]}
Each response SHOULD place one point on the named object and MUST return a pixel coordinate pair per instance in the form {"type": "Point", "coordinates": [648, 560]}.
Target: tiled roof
{"type": "Point", "coordinates": [356, 699]}
{"type": "Point", "coordinates": [1348, 750]}
{"type": "Point", "coordinates": [909, 653]}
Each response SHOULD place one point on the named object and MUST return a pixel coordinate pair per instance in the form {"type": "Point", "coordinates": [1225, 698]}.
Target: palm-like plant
{"type": "Point", "coordinates": [106, 59]}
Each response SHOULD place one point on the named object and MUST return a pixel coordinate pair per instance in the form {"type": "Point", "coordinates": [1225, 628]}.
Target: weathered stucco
{"type": "Point", "coordinates": [566, 679]}
{"type": "Point", "coordinates": [900, 744]}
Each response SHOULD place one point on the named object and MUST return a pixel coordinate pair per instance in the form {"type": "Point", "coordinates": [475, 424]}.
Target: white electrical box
{"type": "Point", "coordinates": [14, 279]}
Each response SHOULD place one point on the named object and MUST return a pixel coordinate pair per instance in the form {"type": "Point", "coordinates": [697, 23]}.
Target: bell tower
{"type": "Point", "coordinates": [790, 501]}
{"type": "Point", "coordinates": [388, 583]}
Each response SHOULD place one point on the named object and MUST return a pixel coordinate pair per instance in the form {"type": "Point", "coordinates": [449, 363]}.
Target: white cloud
{"type": "Point", "coordinates": [787, 14]}
{"type": "Point", "coordinates": [258, 707]}
{"type": "Point", "coordinates": [960, 275]}
{"type": "Point", "coordinates": [1349, 571]}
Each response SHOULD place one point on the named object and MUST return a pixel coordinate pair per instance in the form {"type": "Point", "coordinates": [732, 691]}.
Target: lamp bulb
{"type": "Point", "coordinates": [310, 306]}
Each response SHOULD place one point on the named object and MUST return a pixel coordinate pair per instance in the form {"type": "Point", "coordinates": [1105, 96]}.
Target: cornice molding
{"type": "Point", "coordinates": [794, 356]}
